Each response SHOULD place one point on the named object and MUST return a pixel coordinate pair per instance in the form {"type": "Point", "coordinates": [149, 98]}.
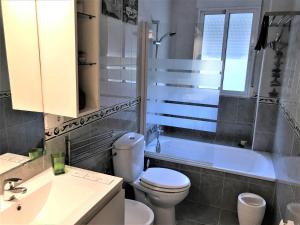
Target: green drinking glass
{"type": "Point", "coordinates": [58, 163]}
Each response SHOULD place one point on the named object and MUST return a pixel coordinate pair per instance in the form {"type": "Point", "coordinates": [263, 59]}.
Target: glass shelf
{"type": "Point", "coordinates": [81, 14]}
{"type": "Point", "coordinates": [86, 64]}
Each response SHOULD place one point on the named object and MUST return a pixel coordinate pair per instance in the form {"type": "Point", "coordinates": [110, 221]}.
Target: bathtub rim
{"type": "Point", "coordinates": [209, 166]}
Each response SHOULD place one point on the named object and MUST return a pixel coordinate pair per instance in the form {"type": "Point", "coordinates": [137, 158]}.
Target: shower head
{"type": "Point", "coordinates": [169, 34]}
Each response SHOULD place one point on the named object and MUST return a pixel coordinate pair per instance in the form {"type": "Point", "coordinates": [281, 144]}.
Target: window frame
{"type": "Point", "coordinates": [249, 83]}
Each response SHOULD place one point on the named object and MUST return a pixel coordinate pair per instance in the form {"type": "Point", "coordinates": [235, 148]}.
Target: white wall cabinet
{"type": "Point", "coordinates": [47, 55]}
{"type": "Point", "coordinates": [22, 50]}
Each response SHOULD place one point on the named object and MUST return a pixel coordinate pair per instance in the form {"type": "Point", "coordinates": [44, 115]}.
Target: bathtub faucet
{"type": "Point", "coordinates": [158, 133]}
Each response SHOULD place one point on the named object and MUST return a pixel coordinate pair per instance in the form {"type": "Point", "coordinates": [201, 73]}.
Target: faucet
{"type": "Point", "coordinates": [159, 131]}
{"type": "Point", "coordinates": [9, 188]}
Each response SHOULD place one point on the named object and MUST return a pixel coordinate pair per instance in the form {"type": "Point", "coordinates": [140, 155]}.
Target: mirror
{"type": "Point", "coordinates": [21, 132]}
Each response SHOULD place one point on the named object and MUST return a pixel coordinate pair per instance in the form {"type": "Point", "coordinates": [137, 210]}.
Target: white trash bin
{"type": "Point", "coordinates": [251, 209]}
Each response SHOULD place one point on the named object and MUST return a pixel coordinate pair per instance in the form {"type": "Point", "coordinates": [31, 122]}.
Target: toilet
{"type": "Point", "coordinates": [159, 188]}
{"type": "Point", "coordinates": [251, 209]}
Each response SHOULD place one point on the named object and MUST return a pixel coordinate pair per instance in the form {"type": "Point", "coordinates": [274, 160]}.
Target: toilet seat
{"type": "Point", "coordinates": [165, 180]}
{"type": "Point", "coordinates": [166, 190]}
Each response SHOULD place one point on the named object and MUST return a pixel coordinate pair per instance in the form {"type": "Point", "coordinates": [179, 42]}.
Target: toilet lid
{"type": "Point", "coordinates": [165, 178]}
{"type": "Point", "coordinates": [137, 213]}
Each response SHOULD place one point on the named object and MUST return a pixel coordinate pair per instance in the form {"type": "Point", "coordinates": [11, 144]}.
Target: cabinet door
{"type": "Point", "coordinates": [58, 53]}
{"type": "Point", "coordinates": [113, 213]}
{"type": "Point", "coordinates": [22, 49]}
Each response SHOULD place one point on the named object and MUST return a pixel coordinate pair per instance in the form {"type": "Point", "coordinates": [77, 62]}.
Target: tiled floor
{"type": "Point", "coordinates": [189, 213]}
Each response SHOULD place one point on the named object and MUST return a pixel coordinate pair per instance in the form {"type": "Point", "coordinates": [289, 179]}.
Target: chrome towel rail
{"type": "Point", "coordinates": [81, 150]}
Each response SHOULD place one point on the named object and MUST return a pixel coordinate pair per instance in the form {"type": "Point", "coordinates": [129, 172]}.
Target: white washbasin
{"type": "Point", "coordinates": [64, 199]}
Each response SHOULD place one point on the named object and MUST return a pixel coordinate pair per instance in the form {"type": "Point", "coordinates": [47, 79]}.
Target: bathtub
{"type": "Point", "coordinates": [211, 156]}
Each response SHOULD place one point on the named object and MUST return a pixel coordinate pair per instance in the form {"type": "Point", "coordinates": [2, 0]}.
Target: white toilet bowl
{"type": "Point", "coordinates": [159, 188]}
{"type": "Point", "coordinates": [137, 213]}
{"type": "Point", "coordinates": [162, 189]}
{"type": "Point", "coordinates": [251, 209]}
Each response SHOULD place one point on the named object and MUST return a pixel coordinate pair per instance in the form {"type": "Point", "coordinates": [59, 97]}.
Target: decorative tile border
{"type": "Point", "coordinates": [268, 100]}
{"type": "Point", "coordinates": [295, 126]}
{"type": "Point", "coordinates": [5, 94]}
{"type": "Point", "coordinates": [82, 121]}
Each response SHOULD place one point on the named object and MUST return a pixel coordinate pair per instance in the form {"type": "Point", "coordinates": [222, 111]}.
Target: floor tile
{"type": "Point", "coordinates": [191, 211]}
{"type": "Point", "coordinates": [228, 218]}
{"type": "Point", "coordinates": [188, 222]}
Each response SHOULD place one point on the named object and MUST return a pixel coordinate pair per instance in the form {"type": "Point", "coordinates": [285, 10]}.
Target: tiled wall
{"type": "Point", "coordinates": [287, 138]}
{"type": "Point", "coordinates": [19, 130]}
{"type": "Point", "coordinates": [235, 120]}
{"type": "Point", "coordinates": [235, 123]}
{"type": "Point", "coordinates": [265, 127]}
{"type": "Point", "coordinates": [119, 123]}
{"type": "Point", "coordinates": [213, 195]}
{"type": "Point", "coordinates": [286, 162]}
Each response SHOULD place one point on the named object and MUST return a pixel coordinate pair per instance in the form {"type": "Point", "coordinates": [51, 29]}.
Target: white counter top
{"type": "Point", "coordinates": [72, 198]}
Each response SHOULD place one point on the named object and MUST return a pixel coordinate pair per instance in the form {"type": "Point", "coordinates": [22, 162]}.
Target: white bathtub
{"type": "Point", "coordinates": [217, 157]}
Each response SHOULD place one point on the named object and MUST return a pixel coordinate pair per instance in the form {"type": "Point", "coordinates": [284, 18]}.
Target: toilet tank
{"type": "Point", "coordinates": [128, 156]}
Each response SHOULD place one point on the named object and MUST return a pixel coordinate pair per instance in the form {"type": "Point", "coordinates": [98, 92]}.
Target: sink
{"type": "Point", "coordinates": [64, 199]}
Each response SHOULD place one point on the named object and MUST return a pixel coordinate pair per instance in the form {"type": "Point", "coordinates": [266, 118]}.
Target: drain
{"type": "Point", "coordinates": [19, 207]}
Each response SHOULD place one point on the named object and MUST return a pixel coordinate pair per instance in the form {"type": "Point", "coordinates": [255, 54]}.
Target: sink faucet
{"type": "Point", "coordinates": [159, 131]}
{"type": "Point", "coordinates": [9, 188]}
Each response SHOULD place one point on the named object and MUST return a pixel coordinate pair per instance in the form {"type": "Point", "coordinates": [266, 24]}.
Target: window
{"type": "Point", "coordinates": [227, 36]}
{"type": "Point", "coordinates": [213, 32]}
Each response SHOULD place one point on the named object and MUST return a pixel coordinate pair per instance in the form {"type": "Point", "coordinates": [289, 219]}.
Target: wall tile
{"type": "Point", "coordinates": [264, 141]}
{"type": "Point", "coordinates": [246, 110]}
{"type": "Point", "coordinates": [211, 187]}
{"type": "Point", "coordinates": [228, 109]}
{"type": "Point", "coordinates": [284, 138]}
{"type": "Point", "coordinates": [284, 195]}
{"type": "Point", "coordinates": [231, 191]}
{"type": "Point", "coordinates": [195, 193]}
{"type": "Point", "coordinates": [17, 142]}
{"type": "Point", "coordinates": [3, 103]}
{"type": "Point", "coordinates": [277, 214]}
{"type": "Point", "coordinates": [263, 189]}
{"type": "Point", "coordinates": [266, 118]}
{"type": "Point", "coordinates": [13, 117]}
{"type": "Point", "coordinates": [296, 146]}
{"type": "Point", "coordinates": [3, 141]}
{"type": "Point", "coordinates": [231, 134]}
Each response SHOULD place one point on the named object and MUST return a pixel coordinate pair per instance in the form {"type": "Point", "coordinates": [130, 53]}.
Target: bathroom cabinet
{"type": "Point", "coordinates": [22, 50]}
{"type": "Point", "coordinates": [53, 55]}
{"type": "Point", "coordinates": [112, 213]}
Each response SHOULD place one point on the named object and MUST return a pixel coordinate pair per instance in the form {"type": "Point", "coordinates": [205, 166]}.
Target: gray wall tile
{"type": "Point", "coordinates": [264, 141]}
{"type": "Point", "coordinates": [266, 118]}
{"type": "Point", "coordinates": [228, 109]}
{"type": "Point", "coordinates": [216, 189]}
{"type": "Point", "coordinates": [246, 110]}
{"type": "Point", "coordinates": [211, 187]}
{"type": "Point", "coordinates": [231, 191]}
